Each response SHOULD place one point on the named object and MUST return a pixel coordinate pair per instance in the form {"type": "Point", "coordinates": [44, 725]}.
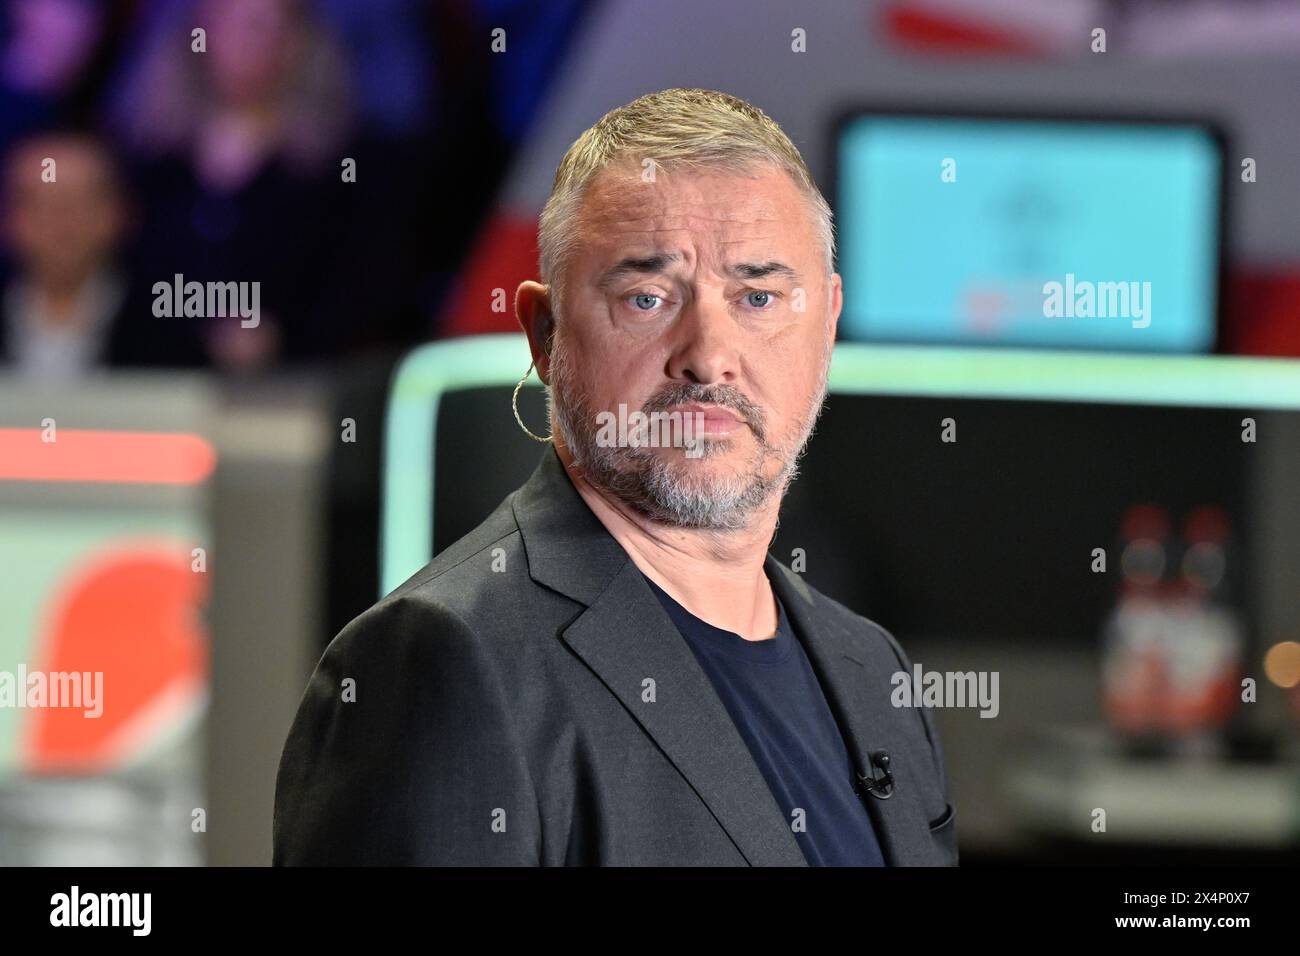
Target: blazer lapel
{"type": "Point", "coordinates": [627, 639]}
{"type": "Point", "coordinates": [857, 687]}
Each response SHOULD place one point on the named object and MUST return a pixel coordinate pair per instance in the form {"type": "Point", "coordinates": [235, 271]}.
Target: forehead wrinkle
{"type": "Point", "coordinates": [621, 208]}
{"type": "Point", "coordinates": [629, 204]}
{"type": "Point", "coordinates": [677, 222]}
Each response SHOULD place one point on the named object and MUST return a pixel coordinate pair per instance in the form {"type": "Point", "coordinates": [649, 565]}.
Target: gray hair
{"type": "Point", "coordinates": [689, 128]}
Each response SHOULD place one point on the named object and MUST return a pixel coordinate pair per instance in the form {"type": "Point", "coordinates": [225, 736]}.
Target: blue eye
{"type": "Point", "coordinates": [642, 304]}
{"type": "Point", "coordinates": [765, 296]}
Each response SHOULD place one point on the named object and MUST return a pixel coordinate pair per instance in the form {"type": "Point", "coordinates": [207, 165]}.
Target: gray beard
{"type": "Point", "coordinates": [655, 485]}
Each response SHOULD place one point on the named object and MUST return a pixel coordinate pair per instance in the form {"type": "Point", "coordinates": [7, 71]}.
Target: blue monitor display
{"type": "Point", "coordinates": [1060, 233]}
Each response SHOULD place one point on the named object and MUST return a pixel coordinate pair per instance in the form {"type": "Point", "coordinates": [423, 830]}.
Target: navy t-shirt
{"type": "Point", "coordinates": [775, 701]}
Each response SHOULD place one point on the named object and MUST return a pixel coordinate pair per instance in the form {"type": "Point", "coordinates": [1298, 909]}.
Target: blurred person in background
{"type": "Point", "coordinates": [236, 151]}
{"type": "Point", "coordinates": [54, 56]}
{"type": "Point", "coordinates": [68, 307]}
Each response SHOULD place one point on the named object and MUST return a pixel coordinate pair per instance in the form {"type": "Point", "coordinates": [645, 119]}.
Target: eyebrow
{"type": "Point", "coordinates": [633, 265]}
{"type": "Point", "coordinates": [760, 270]}
{"type": "Point", "coordinates": [657, 263]}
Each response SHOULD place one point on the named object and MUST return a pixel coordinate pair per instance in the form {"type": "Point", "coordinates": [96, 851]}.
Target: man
{"type": "Point", "coordinates": [64, 220]}
{"type": "Point", "coordinates": [67, 307]}
{"type": "Point", "coordinates": [611, 669]}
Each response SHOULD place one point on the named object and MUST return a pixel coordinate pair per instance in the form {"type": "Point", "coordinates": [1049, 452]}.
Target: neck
{"type": "Point", "coordinates": [234, 143]}
{"type": "Point", "coordinates": [717, 576]}
{"type": "Point", "coordinates": [60, 295]}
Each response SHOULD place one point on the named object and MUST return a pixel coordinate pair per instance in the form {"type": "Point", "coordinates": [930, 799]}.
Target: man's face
{"type": "Point", "coordinates": [701, 292]}
{"type": "Point", "coordinates": [61, 231]}
{"type": "Point", "coordinates": [253, 43]}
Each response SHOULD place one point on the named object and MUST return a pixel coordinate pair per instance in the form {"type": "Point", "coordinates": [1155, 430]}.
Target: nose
{"type": "Point", "coordinates": [704, 345]}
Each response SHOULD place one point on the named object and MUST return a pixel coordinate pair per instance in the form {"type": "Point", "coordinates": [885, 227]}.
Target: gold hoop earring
{"type": "Point", "coordinates": [514, 403]}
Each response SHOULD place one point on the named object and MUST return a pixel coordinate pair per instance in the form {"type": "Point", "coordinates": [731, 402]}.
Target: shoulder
{"type": "Point", "coordinates": [458, 610]}
{"type": "Point", "coordinates": [430, 644]}
{"type": "Point", "coordinates": [410, 694]}
{"type": "Point", "coordinates": [496, 537]}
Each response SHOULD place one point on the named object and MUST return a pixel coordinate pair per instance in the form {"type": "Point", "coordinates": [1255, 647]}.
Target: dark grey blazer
{"type": "Point", "coordinates": [525, 700]}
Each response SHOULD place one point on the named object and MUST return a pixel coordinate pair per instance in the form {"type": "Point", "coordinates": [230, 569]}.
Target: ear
{"type": "Point", "coordinates": [533, 310]}
{"type": "Point", "coordinates": [837, 302]}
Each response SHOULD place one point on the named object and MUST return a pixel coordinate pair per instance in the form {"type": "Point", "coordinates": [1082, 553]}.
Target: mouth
{"type": "Point", "coordinates": [714, 419]}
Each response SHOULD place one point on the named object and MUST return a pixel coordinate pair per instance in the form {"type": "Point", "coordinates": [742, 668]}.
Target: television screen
{"type": "Point", "coordinates": [1062, 233]}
